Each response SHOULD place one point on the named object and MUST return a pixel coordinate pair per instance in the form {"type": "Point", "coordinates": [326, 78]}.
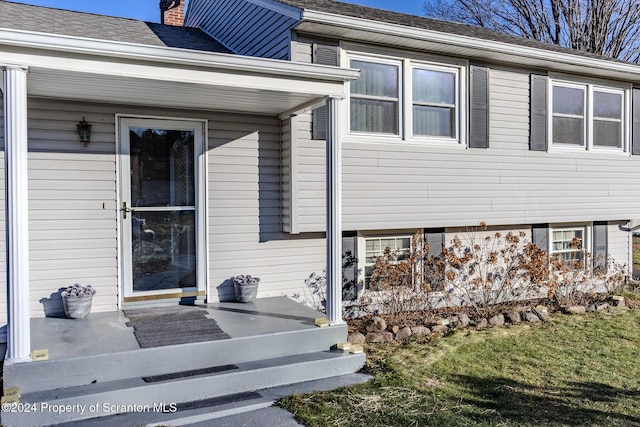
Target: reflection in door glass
{"type": "Point", "coordinates": [163, 250]}
{"type": "Point", "coordinates": [162, 167]}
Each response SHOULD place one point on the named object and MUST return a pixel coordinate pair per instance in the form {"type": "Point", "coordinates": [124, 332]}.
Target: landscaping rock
{"type": "Point", "coordinates": [439, 329]}
{"type": "Point", "coordinates": [482, 324]}
{"type": "Point", "coordinates": [591, 307]}
{"type": "Point", "coordinates": [618, 301]}
{"type": "Point", "coordinates": [428, 321]}
{"type": "Point", "coordinates": [355, 338]}
{"type": "Point", "coordinates": [403, 333]}
{"type": "Point", "coordinates": [497, 320]}
{"type": "Point", "coordinates": [420, 330]}
{"type": "Point", "coordinates": [395, 329]}
{"type": "Point", "coordinates": [464, 320]}
{"type": "Point", "coordinates": [374, 337]}
{"type": "Point", "coordinates": [443, 321]}
{"type": "Point", "coordinates": [542, 315]}
{"type": "Point", "coordinates": [531, 317]}
{"type": "Point", "coordinates": [602, 306]}
{"type": "Point", "coordinates": [513, 317]}
{"type": "Point", "coordinates": [376, 324]}
{"type": "Point", "coordinates": [575, 309]}
{"type": "Point", "coordinates": [542, 309]}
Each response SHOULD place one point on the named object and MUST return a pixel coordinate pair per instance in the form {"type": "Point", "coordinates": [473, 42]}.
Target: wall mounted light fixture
{"type": "Point", "coordinates": [84, 130]}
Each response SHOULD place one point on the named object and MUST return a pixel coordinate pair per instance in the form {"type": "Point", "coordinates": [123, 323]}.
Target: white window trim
{"type": "Point", "coordinates": [408, 61]}
{"type": "Point", "coordinates": [589, 86]}
{"type": "Point", "coordinates": [362, 249]}
{"type": "Point", "coordinates": [378, 60]}
{"type": "Point", "coordinates": [587, 230]}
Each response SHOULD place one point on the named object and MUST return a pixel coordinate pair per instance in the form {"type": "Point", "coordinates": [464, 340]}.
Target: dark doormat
{"type": "Point", "coordinates": [157, 327]}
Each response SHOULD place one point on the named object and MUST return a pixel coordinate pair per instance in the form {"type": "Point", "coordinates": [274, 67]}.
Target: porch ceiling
{"type": "Point", "coordinates": [162, 93]}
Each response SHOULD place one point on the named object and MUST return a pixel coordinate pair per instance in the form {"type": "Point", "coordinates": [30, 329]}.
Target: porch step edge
{"type": "Point", "coordinates": [255, 375]}
{"type": "Point", "coordinates": [77, 371]}
{"type": "Point", "coordinates": [228, 412]}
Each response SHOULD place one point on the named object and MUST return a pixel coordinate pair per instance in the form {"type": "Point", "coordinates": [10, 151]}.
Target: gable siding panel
{"type": "Point", "coordinates": [243, 27]}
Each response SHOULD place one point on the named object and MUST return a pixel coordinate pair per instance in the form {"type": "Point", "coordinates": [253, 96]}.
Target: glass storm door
{"type": "Point", "coordinates": [159, 211]}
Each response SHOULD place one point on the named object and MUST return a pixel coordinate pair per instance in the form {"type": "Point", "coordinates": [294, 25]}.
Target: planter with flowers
{"type": "Point", "coordinates": [77, 301]}
{"type": "Point", "coordinates": [246, 287]}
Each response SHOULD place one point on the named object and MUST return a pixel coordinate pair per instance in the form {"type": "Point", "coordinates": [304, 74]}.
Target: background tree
{"type": "Point", "coordinates": [604, 27]}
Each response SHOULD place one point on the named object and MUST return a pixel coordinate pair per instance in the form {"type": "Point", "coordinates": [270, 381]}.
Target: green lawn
{"type": "Point", "coordinates": [571, 371]}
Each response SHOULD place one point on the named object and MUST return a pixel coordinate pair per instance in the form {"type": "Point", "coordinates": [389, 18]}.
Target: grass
{"type": "Point", "coordinates": [571, 371]}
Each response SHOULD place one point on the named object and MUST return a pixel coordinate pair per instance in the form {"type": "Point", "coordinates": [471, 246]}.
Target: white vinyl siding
{"type": "Point", "coordinates": [72, 204]}
{"type": "Point", "coordinates": [390, 186]}
{"type": "Point", "coordinates": [245, 234]}
{"type": "Point", "coordinates": [73, 211]}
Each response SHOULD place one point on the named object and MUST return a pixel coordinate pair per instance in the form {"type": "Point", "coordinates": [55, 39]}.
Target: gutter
{"type": "Point", "coordinates": [507, 51]}
{"type": "Point", "coordinates": [174, 56]}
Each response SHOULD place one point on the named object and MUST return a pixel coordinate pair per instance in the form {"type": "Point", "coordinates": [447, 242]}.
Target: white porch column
{"type": "Point", "coordinates": [17, 223]}
{"type": "Point", "coordinates": [334, 214]}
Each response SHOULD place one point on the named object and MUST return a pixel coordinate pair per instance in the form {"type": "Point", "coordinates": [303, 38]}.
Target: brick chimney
{"type": "Point", "coordinates": [172, 12]}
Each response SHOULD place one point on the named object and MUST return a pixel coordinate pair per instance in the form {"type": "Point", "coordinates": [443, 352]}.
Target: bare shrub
{"type": "Point", "coordinates": [485, 271]}
{"type": "Point", "coordinates": [404, 280]}
{"type": "Point", "coordinates": [314, 294]}
{"type": "Point", "coordinates": [576, 280]}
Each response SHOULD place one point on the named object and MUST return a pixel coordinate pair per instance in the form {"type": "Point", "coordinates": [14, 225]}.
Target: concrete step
{"type": "Point", "coordinates": [137, 396]}
{"type": "Point", "coordinates": [121, 365]}
{"type": "Point", "coordinates": [232, 410]}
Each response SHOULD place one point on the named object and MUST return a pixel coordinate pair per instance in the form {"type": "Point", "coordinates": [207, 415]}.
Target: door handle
{"type": "Point", "coordinates": [125, 209]}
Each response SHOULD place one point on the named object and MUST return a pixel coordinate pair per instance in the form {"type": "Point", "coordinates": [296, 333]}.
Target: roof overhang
{"type": "Point", "coordinates": [400, 36]}
{"type": "Point", "coordinates": [74, 68]}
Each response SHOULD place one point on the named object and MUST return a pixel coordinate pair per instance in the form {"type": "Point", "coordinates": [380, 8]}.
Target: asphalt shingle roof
{"type": "Point", "coordinates": [25, 17]}
{"type": "Point", "coordinates": [414, 21]}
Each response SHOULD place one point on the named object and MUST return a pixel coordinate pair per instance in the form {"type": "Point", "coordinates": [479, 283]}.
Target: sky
{"type": "Point", "coordinates": [147, 10]}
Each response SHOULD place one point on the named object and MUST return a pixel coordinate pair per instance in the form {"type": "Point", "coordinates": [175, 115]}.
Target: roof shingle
{"type": "Point", "coordinates": [389, 17]}
{"type": "Point", "coordinates": [18, 16]}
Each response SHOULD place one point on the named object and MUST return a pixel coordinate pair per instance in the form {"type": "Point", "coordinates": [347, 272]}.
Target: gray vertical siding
{"type": "Point", "coordinates": [243, 27]}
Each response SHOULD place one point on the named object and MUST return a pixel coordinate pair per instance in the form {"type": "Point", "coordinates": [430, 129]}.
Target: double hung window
{"type": "Point", "coordinates": [568, 243]}
{"type": "Point", "coordinates": [400, 248]}
{"type": "Point", "coordinates": [405, 98]}
{"type": "Point", "coordinates": [588, 116]}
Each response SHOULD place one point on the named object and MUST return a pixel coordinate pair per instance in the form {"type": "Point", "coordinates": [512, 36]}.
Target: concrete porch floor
{"type": "Point", "coordinates": [107, 332]}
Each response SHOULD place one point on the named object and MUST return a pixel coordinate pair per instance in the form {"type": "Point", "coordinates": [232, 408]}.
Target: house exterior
{"type": "Point", "coordinates": [447, 126]}
{"type": "Point", "coordinates": [179, 186]}
{"type": "Point", "coordinates": [210, 157]}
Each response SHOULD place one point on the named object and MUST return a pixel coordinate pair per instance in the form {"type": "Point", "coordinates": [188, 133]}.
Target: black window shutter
{"type": "Point", "coordinates": [540, 236]}
{"type": "Point", "coordinates": [635, 129]}
{"type": "Point", "coordinates": [435, 238]}
{"type": "Point", "coordinates": [600, 245]}
{"type": "Point", "coordinates": [479, 120]}
{"type": "Point", "coordinates": [324, 55]}
{"type": "Point", "coordinates": [349, 266]}
{"type": "Point", "coordinates": [538, 134]}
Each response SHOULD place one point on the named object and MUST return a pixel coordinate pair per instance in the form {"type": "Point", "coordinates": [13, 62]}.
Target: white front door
{"type": "Point", "coordinates": [161, 208]}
